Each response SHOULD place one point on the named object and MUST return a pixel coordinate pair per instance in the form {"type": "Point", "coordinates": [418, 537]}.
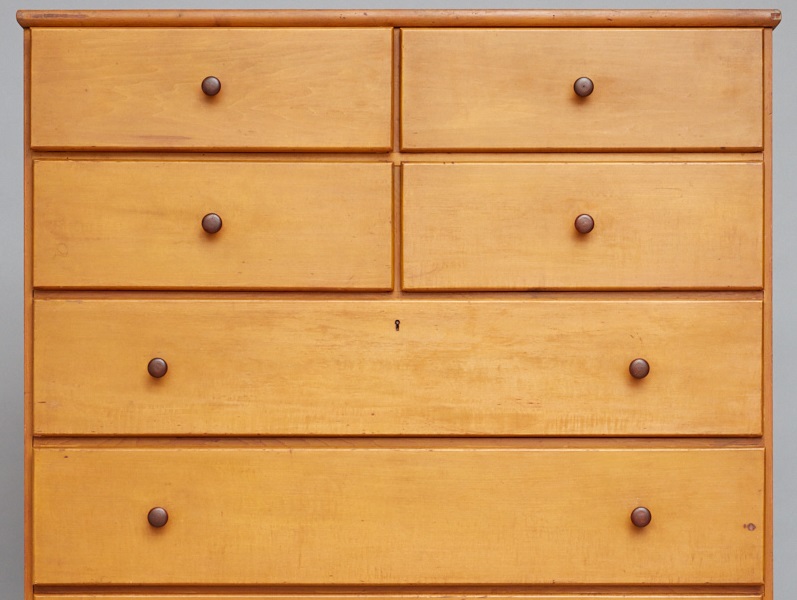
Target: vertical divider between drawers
{"type": "Point", "coordinates": [397, 163]}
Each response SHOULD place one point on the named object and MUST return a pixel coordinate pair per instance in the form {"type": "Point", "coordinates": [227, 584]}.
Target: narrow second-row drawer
{"type": "Point", "coordinates": [152, 224]}
{"type": "Point", "coordinates": [211, 88]}
{"type": "Point", "coordinates": [274, 367]}
{"type": "Point", "coordinates": [400, 515]}
{"type": "Point", "coordinates": [583, 226]}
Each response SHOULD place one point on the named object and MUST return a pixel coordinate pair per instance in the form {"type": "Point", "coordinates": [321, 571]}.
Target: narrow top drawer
{"type": "Point", "coordinates": [514, 89]}
{"type": "Point", "coordinates": [281, 89]}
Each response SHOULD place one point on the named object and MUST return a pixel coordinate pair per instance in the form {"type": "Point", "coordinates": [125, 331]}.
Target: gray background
{"type": "Point", "coordinates": [11, 288]}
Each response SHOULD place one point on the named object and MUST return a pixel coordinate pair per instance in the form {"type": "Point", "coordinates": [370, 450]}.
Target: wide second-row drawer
{"type": "Point", "coordinates": [219, 224]}
{"type": "Point", "coordinates": [274, 367]}
{"type": "Point", "coordinates": [401, 515]}
{"type": "Point", "coordinates": [139, 224]}
{"type": "Point", "coordinates": [565, 225]}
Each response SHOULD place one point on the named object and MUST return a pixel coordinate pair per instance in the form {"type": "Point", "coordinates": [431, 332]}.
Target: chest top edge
{"type": "Point", "coordinates": [768, 18]}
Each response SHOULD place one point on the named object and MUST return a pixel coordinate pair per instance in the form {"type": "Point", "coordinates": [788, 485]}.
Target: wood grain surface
{"type": "Point", "coordinates": [306, 367]}
{"type": "Point", "coordinates": [398, 516]}
{"type": "Point", "coordinates": [511, 226]}
{"type": "Point", "coordinates": [512, 89]}
{"type": "Point", "coordinates": [147, 595]}
{"type": "Point", "coordinates": [128, 224]}
{"type": "Point", "coordinates": [768, 324]}
{"type": "Point", "coordinates": [281, 88]}
{"type": "Point", "coordinates": [388, 376]}
{"type": "Point", "coordinates": [402, 18]}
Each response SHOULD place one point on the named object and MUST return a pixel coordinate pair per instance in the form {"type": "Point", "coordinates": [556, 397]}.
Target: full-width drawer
{"type": "Point", "coordinates": [240, 367]}
{"type": "Point", "coordinates": [141, 224]}
{"type": "Point", "coordinates": [465, 89]}
{"type": "Point", "coordinates": [649, 226]}
{"type": "Point", "coordinates": [281, 88]}
{"type": "Point", "coordinates": [402, 515]}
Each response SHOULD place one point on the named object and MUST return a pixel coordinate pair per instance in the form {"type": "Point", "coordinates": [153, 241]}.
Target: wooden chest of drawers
{"type": "Point", "coordinates": [398, 304]}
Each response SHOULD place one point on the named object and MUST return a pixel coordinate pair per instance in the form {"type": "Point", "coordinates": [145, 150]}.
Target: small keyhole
{"type": "Point", "coordinates": [398, 323]}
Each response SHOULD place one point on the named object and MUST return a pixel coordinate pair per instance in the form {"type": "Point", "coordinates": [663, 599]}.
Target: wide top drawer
{"type": "Point", "coordinates": [280, 89]}
{"type": "Point", "coordinates": [510, 89]}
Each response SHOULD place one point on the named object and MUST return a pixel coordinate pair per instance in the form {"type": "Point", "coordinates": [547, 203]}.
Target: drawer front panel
{"type": "Point", "coordinates": [511, 226]}
{"type": "Point", "coordinates": [282, 88]}
{"type": "Point", "coordinates": [131, 224]}
{"type": "Point", "coordinates": [398, 516]}
{"type": "Point", "coordinates": [452, 367]}
{"type": "Point", "coordinates": [465, 89]}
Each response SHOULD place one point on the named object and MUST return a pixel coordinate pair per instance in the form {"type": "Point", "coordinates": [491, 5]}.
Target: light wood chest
{"type": "Point", "coordinates": [388, 305]}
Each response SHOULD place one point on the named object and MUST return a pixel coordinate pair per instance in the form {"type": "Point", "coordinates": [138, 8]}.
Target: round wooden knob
{"type": "Point", "coordinates": [211, 86]}
{"type": "Point", "coordinates": [584, 223]}
{"type": "Point", "coordinates": [211, 222]}
{"type": "Point", "coordinates": [639, 368]}
{"type": "Point", "coordinates": [583, 86]}
{"type": "Point", "coordinates": [157, 517]}
{"type": "Point", "coordinates": [157, 368]}
{"type": "Point", "coordinates": [640, 516]}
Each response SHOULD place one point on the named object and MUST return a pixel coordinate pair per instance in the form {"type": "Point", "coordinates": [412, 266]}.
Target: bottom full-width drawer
{"type": "Point", "coordinates": [398, 515]}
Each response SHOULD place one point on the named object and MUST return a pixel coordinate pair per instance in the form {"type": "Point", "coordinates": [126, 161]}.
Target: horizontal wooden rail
{"type": "Point", "coordinates": [399, 18]}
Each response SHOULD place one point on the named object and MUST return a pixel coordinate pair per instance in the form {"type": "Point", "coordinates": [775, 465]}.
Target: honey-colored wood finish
{"type": "Point", "coordinates": [767, 330]}
{"type": "Point", "coordinates": [400, 18]}
{"type": "Point", "coordinates": [382, 442]}
{"type": "Point", "coordinates": [281, 88]}
{"type": "Point", "coordinates": [508, 89]}
{"type": "Point", "coordinates": [304, 448]}
{"type": "Point", "coordinates": [28, 324]}
{"type": "Point", "coordinates": [447, 368]}
{"type": "Point", "coordinates": [398, 157]}
{"type": "Point", "coordinates": [43, 294]}
{"type": "Point", "coordinates": [398, 516]}
{"type": "Point", "coordinates": [511, 226]}
{"type": "Point", "coordinates": [130, 224]}
{"type": "Point", "coordinates": [454, 596]}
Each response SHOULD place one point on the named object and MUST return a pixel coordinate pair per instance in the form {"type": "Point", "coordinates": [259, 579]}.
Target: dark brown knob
{"type": "Point", "coordinates": [158, 517]}
{"type": "Point", "coordinates": [211, 85]}
{"type": "Point", "coordinates": [640, 516]}
{"type": "Point", "coordinates": [583, 86]}
{"type": "Point", "coordinates": [157, 367]}
{"type": "Point", "coordinates": [639, 368]}
{"type": "Point", "coordinates": [584, 223]}
{"type": "Point", "coordinates": [211, 222]}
